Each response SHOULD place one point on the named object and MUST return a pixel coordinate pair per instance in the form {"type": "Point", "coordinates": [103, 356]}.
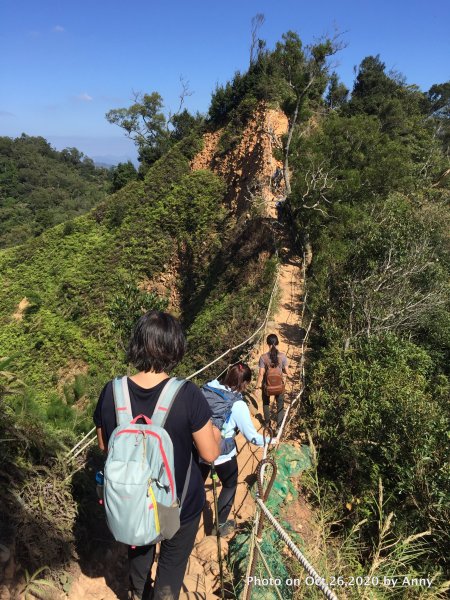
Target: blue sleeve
{"type": "Point", "coordinates": [241, 415]}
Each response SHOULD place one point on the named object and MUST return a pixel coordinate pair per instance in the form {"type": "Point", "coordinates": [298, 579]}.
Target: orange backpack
{"type": "Point", "coordinates": [273, 379]}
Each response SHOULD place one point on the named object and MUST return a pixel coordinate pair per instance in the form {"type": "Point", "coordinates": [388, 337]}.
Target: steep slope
{"type": "Point", "coordinates": [79, 290]}
{"type": "Point", "coordinates": [70, 296]}
{"type": "Point", "coordinates": [259, 138]}
{"type": "Point", "coordinates": [249, 166]}
{"type": "Point", "coordinates": [68, 300]}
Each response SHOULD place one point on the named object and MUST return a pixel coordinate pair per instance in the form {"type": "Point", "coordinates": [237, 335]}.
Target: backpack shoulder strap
{"type": "Point", "coordinates": [215, 391]}
{"type": "Point", "coordinates": [186, 483]}
{"type": "Point", "coordinates": [122, 402]}
{"type": "Point", "coordinates": [268, 363]}
{"type": "Point", "coordinates": [165, 400]}
{"type": "Point", "coordinates": [160, 414]}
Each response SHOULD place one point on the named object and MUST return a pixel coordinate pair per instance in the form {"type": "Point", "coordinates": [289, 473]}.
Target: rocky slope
{"type": "Point", "coordinates": [249, 167]}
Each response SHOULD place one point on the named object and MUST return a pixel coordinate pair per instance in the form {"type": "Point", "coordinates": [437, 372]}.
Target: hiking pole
{"type": "Point", "coordinates": [219, 545]}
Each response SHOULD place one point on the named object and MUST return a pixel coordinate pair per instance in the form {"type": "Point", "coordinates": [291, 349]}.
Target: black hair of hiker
{"type": "Point", "coordinates": [157, 343]}
{"type": "Point", "coordinates": [237, 375]}
{"type": "Point", "coordinates": [272, 341]}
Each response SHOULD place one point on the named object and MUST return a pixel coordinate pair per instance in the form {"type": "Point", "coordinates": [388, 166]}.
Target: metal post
{"type": "Point", "coordinates": [263, 494]}
{"type": "Point", "coordinates": [219, 545]}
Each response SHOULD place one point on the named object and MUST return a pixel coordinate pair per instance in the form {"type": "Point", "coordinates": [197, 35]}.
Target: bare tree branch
{"type": "Point", "coordinates": [257, 22]}
{"type": "Point", "coordinates": [392, 296]}
{"type": "Point", "coordinates": [185, 92]}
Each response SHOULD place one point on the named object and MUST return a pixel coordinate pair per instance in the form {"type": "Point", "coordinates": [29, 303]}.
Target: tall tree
{"type": "Point", "coordinates": [306, 75]}
{"type": "Point", "coordinates": [337, 93]}
{"type": "Point", "coordinates": [122, 174]}
{"type": "Point", "coordinates": [151, 130]}
{"type": "Point", "coordinates": [439, 98]}
{"type": "Point", "coordinates": [145, 123]}
{"type": "Point", "coordinates": [372, 87]}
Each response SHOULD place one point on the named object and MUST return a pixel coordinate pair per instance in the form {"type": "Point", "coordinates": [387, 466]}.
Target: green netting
{"type": "Point", "coordinates": [290, 463]}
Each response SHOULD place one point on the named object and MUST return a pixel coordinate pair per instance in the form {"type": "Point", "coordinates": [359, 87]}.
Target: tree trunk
{"type": "Point", "coordinates": [308, 253]}
{"type": "Point", "coordinates": [287, 181]}
{"type": "Point", "coordinates": [300, 97]}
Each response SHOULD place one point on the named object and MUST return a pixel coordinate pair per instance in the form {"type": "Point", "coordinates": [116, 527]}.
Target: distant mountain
{"type": "Point", "coordinates": [103, 165]}
{"type": "Point", "coordinates": [41, 187]}
{"type": "Point", "coordinates": [109, 160]}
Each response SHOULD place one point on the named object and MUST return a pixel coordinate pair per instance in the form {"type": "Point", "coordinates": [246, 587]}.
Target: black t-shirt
{"type": "Point", "coordinates": [189, 413]}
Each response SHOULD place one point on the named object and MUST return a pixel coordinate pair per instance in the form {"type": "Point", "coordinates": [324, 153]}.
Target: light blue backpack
{"type": "Point", "coordinates": [140, 494]}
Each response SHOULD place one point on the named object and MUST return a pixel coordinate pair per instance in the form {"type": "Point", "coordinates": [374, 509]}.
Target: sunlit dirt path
{"type": "Point", "coordinates": [202, 575]}
{"type": "Point", "coordinates": [202, 579]}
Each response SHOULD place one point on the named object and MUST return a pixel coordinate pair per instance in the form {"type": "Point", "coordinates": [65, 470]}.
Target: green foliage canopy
{"type": "Point", "coordinates": [368, 194]}
{"type": "Point", "coordinates": [41, 187]}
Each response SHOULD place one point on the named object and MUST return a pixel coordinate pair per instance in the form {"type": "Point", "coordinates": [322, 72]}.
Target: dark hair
{"type": "Point", "coordinates": [272, 341]}
{"type": "Point", "coordinates": [237, 375]}
{"type": "Point", "coordinates": [157, 344]}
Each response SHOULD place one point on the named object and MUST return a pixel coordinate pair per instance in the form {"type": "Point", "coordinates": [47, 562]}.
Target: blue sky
{"type": "Point", "coordinates": [64, 64]}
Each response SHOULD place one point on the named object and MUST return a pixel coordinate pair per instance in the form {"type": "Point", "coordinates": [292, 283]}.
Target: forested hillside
{"type": "Point", "coordinates": [41, 187]}
{"type": "Point", "coordinates": [367, 188]}
{"type": "Point", "coordinates": [69, 300]}
{"type": "Point", "coordinates": [73, 294]}
{"type": "Point", "coordinates": [370, 196]}
{"type": "Point", "coordinates": [367, 176]}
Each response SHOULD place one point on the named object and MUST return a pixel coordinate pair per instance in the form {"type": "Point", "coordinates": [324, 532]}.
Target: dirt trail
{"type": "Point", "coordinates": [248, 167]}
{"type": "Point", "coordinates": [201, 581]}
{"type": "Point", "coordinates": [259, 140]}
{"type": "Point", "coordinates": [285, 324]}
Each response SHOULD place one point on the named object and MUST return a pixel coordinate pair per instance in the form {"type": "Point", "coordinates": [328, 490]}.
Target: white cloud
{"type": "Point", "coordinates": [84, 97]}
{"type": "Point", "coordinates": [58, 29]}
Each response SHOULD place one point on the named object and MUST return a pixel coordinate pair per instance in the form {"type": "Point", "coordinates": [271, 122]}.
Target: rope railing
{"type": "Point", "coordinates": [294, 402]}
{"type": "Point", "coordinates": [262, 466]}
{"type": "Point", "coordinates": [80, 442]}
{"type": "Point", "coordinates": [318, 581]}
{"type": "Point", "coordinates": [261, 510]}
{"type": "Point", "coordinates": [76, 450]}
{"type": "Point", "coordinates": [249, 339]}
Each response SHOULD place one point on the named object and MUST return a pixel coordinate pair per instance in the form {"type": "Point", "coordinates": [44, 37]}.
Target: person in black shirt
{"type": "Point", "coordinates": [157, 345]}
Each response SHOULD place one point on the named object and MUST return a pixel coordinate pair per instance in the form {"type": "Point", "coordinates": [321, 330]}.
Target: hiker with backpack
{"type": "Point", "coordinates": [156, 428]}
{"type": "Point", "coordinates": [280, 206]}
{"type": "Point", "coordinates": [230, 415]}
{"type": "Point", "coordinates": [272, 365]}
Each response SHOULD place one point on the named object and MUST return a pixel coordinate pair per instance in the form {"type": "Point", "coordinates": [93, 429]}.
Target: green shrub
{"type": "Point", "coordinates": [127, 307]}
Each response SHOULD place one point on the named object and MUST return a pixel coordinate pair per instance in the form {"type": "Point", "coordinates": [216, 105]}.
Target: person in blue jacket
{"type": "Point", "coordinates": [236, 380]}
